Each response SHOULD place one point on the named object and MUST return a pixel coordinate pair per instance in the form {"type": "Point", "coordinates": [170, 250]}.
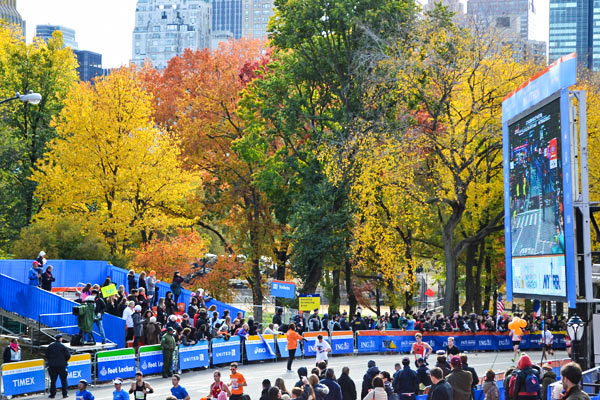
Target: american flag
{"type": "Point", "coordinates": [500, 305]}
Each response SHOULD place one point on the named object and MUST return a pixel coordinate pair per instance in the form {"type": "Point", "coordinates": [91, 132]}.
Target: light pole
{"type": "Point", "coordinates": [575, 328]}
{"type": "Point", "coordinates": [31, 98]}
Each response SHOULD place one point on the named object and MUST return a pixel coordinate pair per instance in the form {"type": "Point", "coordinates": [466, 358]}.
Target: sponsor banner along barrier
{"type": "Point", "coordinates": [309, 344]}
{"type": "Point", "coordinates": [258, 348]}
{"type": "Point", "coordinates": [282, 346]}
{"type": "Point", "coordinates": [342, 342]}
{"type": "Point", "coordinates": [195, 356]}
{"type": "Point", "coordinates": [401, 341]}
{"type": "Point", "coordinates": [151, 359]}
{"type": "Point", "coordinates": [23, 377]}
{"type": "Point", "coordinates": [116, 364]}
{"type": "Point", "coordinates": [225, 351]}
{"type": "Point", "coordinates": [80, 367]}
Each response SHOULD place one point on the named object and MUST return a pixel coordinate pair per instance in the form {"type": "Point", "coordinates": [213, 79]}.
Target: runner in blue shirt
{"type": "Point", "coordinates": [119, 393]}
{"type": "Point", "coordinates": [178, 391]}
{"type": "Point", "coordinates": [83, 393]}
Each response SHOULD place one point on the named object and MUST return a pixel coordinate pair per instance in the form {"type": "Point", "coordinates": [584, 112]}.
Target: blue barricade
{"type": "Point", "coordinates": [68, 273]}
{"type": "Point", "coordinates": [23, 377]}
{"type": "Point", "coordinates": [80, 367]}
{"type": "Point", "coordinates": [116, 364]}
{"type": "Point", "coordinates": [282, 346]}
{"type": "Point", "coordinates": [309, 343]}
{"type": "Point", "coordinates": [342, 342]}
{"type": "Point", "coordinates": [151, 359]}
{"type": "Point", "coordinates": [225, 351]}
{"type": "Point", "coordinates": [195, 356]}
{"type": "Point", "coordinates": [258, 348]}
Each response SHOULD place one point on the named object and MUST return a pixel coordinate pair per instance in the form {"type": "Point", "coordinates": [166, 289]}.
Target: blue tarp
{"type": "Point", "coordinates": [68, 273]}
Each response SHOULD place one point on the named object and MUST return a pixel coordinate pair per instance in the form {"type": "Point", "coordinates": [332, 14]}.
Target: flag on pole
{"type": "Point", "coordinates": [269, 349]}
{"type": "Point", "coordinates": [500, 305]}
{"type": "Point", "coordinates": [537, 308]}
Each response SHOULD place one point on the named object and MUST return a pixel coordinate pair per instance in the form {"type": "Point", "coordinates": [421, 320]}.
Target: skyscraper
{"type": "Point", "coordinates": [90, 64]}
{"type": "Point", "coordinates": [227, 17]}
{"type": "Point", "coordinates": [516, 22]}
{"type": "Point", "coordinates": [256, 17]}
{"type": "Point", "coordinates": [574, 26]}
{"type": "Point", "coordinates": [45, 32]}
{"type": "Point", "coordinates": [165, 28]}
{"type": "Point", "coordinates": [9, 13]}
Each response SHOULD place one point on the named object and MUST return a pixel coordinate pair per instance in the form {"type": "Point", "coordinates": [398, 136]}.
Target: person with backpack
{"type": "Point", "coordinates": [314, 322]}
{"type": "Point", "coordinates": [525, 383]}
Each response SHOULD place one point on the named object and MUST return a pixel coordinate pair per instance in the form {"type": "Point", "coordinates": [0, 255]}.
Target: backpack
{"type": "Point", "coordinates": [532, 384]}
{"type": "Point", "coordinates": [76, 340]}
{"type": "Point", "coordinates": [512, 382]}
{"type": "Point", "coordinates": [315, 324]}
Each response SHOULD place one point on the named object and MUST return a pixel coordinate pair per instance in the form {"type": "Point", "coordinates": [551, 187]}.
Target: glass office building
{"type": "Point", "coordinates": [575, 27]}
{"type": "Point", "coordinates": [45, 32]}
{"type": "Point", "coordinates": [9, 13]}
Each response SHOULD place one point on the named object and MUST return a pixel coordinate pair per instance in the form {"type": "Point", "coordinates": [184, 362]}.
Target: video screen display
{"type": "Point", "coordinates": [536, 203]}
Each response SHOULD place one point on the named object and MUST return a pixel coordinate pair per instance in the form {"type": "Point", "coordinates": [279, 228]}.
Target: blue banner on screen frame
{"type": "Point", "coordinates": [342, 342]}
{"type": "Point", "coordinates": [283, 289]}
{"type": "Point", "coordinates": [538, 273]}
{"type": "Point", "coordinates": [116, 364]}
{"type": "Point", "coordinates": [195, 356]}
{"type": "Point", "coordinates": [225, 351]}
{"type": "Point", "coordinates": [23, 377]}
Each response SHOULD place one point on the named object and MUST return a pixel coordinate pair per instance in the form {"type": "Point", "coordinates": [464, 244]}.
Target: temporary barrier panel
{"type": "Point", "coordinates": [486, 343]}
{"type": "Point", "coordinates": [258, 348]}
{"type": "Point", "coordinates": [342, 342]}
{"type": "Point", "coordinates": [80, 367]}
{"type": "Point", "coordinates": [195, 356]}
{"type": "Point", "coordinates": [68, 273]}
{"type": "Point", "coordinates": [366, 342]}
{"type": "Point", "coordinates": [116, 364]}
{"type": "Point", "coordinates": [225, 351]}
{"type": "Point", "coordinates": [282, 346]}
{"type": "Point", "coordinates": [309, 343]}
{"type": "Point", "coordinates": [151, 359]}
{"type": "Point", "coordinates": [23, 377]}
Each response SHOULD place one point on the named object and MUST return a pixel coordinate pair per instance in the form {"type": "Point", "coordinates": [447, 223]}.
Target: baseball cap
{"type": "Point", "coordinates": [58, 336]}
{"type": "Point", "coordinates": [83, 381]}
{"type": "Point", "coordinates": [455, 360]}
{"type": "Point", "coordinates": [118, 381]}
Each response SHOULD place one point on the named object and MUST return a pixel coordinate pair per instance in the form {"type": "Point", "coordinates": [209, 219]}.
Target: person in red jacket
{"type": "Point", "coordinates": [292, 344]}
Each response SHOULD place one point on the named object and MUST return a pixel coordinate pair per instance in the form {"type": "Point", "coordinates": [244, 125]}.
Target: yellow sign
{"type": "Point", "coordinates": [309, 303]}
{"type": "Point", "coordinates": [109, 290]}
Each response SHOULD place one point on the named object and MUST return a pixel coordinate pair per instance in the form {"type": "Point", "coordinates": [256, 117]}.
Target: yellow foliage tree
{"type": "Point", "coordinates": [112, 167]}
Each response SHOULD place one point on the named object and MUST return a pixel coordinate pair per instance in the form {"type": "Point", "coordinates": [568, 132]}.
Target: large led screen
{"type": "Point", "coordinates": [536, 203]}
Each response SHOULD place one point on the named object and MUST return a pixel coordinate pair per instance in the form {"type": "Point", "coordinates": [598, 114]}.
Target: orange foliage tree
{"type": "Point", "coordinates": [216, 283]}
{"type": "Point", "coordinates": [176, 253]}
{"type": "Point", "coordinates": [197, 97]}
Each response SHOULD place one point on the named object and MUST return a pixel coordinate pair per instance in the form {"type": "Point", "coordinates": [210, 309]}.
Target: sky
{"type": "Point", "coordinates": [106, 26]}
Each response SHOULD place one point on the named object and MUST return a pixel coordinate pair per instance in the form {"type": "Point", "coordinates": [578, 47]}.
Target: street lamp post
{"type": "Point", "coordinates": [575, 328]}
{"type": "Point", "coordinates": [31, 98]}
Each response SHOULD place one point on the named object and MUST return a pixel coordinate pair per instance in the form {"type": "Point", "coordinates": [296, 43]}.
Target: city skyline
{"type": "Point", "coordinates": [108, 30]}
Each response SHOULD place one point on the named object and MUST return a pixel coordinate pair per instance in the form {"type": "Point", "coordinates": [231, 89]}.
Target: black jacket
{"type": "Point", "coordinates": [520, 383]}
{"type": "Point", "coordinates": [473, 374]}
{"type": "Point", "coordinates": [441, 391]}
{"type": "Point", "coordinates": [131, 282]}
{"type": "Point", "coordinates": [348, 387]}
{"type": "Point", "coordinates": [57, 355]}
{"type": "Point", "coordinates": [423, 375]}
{"type": "Point", "coordinates": [47, 280]}
{"type": "Point", "coordinates": [367, 381]}
{"type": "Point", "coordinates": [100, 306]}
{"type": "Point", "coordinates": [406, 381]}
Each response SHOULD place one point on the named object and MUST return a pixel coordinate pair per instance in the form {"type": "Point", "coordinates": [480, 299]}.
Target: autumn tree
{"type": "Point", "coordinates": [45, 68]}
{"type": "Point", "coordinates": [111, 167]}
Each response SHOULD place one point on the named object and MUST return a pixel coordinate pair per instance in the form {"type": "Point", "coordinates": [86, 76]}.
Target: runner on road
{"type": "Point", "coordinates": [420, 349]}
{"type": "Point", "coordinates": [322, 348]}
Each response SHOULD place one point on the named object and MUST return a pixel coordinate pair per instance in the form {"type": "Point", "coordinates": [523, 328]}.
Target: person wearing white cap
{"type": "Point", "coordinates": [41, 258]}
{"type": "Point", "coordinates": [119, 393]}
{"type": "Point", "coordinates": [83, 393]}
{"type": "Point", "coordinates": [127, 316]}
{"type": "Point", "coordinates": [138, 325]}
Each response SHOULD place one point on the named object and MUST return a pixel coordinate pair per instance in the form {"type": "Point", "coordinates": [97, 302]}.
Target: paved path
{"type": "Point", "coordinates": [197, 382]}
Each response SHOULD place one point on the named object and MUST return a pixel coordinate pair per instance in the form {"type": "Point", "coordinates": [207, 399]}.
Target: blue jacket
{"type": "Point", "coordinates": [406, 381]}
{"type": "Point", "coordinates": [33, 276]}
{"type": "Point", "coordinates": [335, 391]}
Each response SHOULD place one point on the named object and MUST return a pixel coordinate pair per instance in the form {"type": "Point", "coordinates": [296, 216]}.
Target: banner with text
{"type": "Point", "coordinates": [282, 346]}
{"type": "Point", "coordinates": [342, 342]}
{"type": "Point", "coordinates": [309, 343]}
{"type": "Point", "coordinates": [195, 356]}
{"type": "Point", "coordinates": [80, 367]}
{"type": "Point", "coordinates": [116, 364]}
{"type": "Point", "coordinates": [225, 351]}
{"type": "Point", "coordinates": [151, 359]}
{"type": "Point", "coordinates": [260, 349]}
{"type": "Point", "coordinates": [283, 289]}
{"type": "Point", "coordinates": [23, 377]}
{"type": "Point", "coordinates": [308, 302]}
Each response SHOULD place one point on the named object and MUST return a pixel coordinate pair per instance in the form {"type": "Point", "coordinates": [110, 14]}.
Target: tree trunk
{"type": "Point", "coordinates": [257, 295]}
{"type": "Point", "coordinates": [352, 302]}
{"type": "Point", "coordinates": [487, 291]}
{"type": "Point", "coordinates": [450, 256]}
{"type": "Point", "coordinates": [477, 297]}
{"type": "Point", "coordinates": [334, 305]}
{"type": "Point", "coordinates": [469, 283]}
{"type": "Point", "coordinates": [315, 270]}
{"type": "Point", "coordinates": [495, 304]}
{"type": "Point", "coordinates": [282, 257]}
{"type": "Point", "coordinates": [377, 302]}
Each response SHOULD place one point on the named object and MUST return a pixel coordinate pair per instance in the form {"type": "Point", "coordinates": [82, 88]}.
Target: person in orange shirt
{"type": "Point", "coordinates": [292, 344]}
{"type": "Point", "coordinates": [237, 382]}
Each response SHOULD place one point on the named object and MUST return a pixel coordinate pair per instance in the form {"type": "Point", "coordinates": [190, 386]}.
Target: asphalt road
{"type": "Point", "coordinates": [197, 383]}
